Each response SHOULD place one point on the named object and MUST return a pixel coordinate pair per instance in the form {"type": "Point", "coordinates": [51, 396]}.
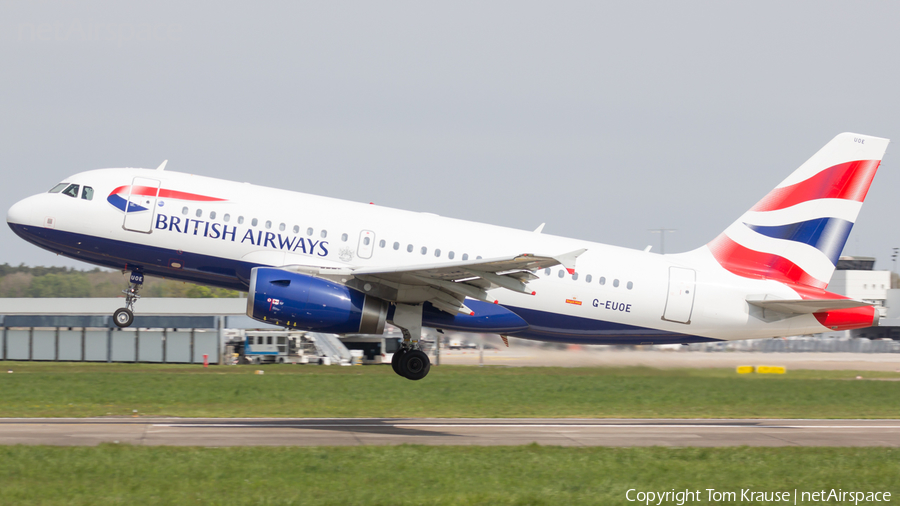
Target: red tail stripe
{"type": "Point", "coordinates": [150, 191]}
{"type": "Point", "coordinates": [754, 264]}
{"type": "Point", "coordinates": [846, 319]}
{"type": "Point", "coordinates": [808, 292]}
{"type": "Point", "coordinates": [849, 181]}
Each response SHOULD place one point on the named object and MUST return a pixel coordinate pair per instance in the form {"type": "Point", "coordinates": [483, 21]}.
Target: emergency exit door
{"type": "Point", "coordinates": [680, 298]}
{"type": "Point", "coordinates": [366, 244]}
{"type": "Point", "coordinates": [140, 205]}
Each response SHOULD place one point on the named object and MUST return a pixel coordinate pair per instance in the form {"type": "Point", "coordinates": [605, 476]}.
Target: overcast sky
{"type": "Point", "coordinates": [602, 119]}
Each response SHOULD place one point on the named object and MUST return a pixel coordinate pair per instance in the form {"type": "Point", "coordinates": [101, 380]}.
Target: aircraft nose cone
{"type": "Point", "coordinates": [22, 212]}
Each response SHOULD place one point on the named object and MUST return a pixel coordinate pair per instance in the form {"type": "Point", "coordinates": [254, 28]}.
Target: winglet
{"type": "Point", "coordinates": [568, 260]}
{"type": "Point", "coordinates": [162, 166]}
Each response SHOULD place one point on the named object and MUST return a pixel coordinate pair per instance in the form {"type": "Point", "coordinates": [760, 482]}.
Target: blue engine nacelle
{"type": "Point", "coordinates": [295, 300]}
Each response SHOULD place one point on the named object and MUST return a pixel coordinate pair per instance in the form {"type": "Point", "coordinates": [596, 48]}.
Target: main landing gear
{"type": "Point", "coordinates": [410, 361]}
{"type": "Point", "coordinates": [124, 316]}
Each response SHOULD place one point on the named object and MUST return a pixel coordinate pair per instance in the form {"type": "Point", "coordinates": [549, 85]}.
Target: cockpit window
{"type": "Point", "coordinates": [71, 191]}
{"type": "Point", "coordinates": [87, 193]}
{"type": "Point", "coordinates": [58, 188]}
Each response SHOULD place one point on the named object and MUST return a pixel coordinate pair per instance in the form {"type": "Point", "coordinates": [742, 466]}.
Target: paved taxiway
{"type": "Point", "coordinates": [435, 431]}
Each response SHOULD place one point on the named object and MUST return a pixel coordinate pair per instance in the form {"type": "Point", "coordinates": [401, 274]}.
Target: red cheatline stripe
{"type": "Point", "coordinates": [171, 194]}
{"type": "Point", "coordinates": [848, 181]}
{"type": "Point", "coordinates": [754, 264]}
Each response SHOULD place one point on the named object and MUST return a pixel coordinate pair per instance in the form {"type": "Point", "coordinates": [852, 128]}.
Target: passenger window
{"type": "Point", "coordinates": [343, 237]}
{"type": "Point", "coordinates": [409, 248]}
{"type": "Point", "coordinates": [58, 188]}
{"type": "Point", "coordinates": [240, 220]}
{"type": "Point", "coordinates": [451, 255]}
{"type": "Point", "coordinates": [602, 280]}
{"type": "Point", "coordinates": [587, 279]}
{"type": "Point", "coordinates": [478, 257]}
{"type": "Point", "coordinates": [615, 283]}
{"type": "Point", "coordinates": [381, 243]}
{"type": "Point", "coordinates": [561, 273]}
{"type": "Point", "coordinates": [253, 222]}
{"type": "Point", "coordinates": [547, 271]}
{"type": "Point", "coordinates": [366, 241]}
{"type": "Point", "coordinates": [87, 193]}
{"type": "Point", "coordinates": [575, 276]}
{"type": "Point", "coordinates": [396, 245]}
{"type": "Point", "coordinates": [309, 231]}
{"type": "Point", "coordinates": [424, 250]}
{"type": "Point", "coordinates": [437, 252]}
{"type": "Point", "coordinates": [296, 229]}
{"type": "Point", "coordinates": [226, 217]}
{"type": "Point", "coordinates": [199, 213]}
{"type": "Point", "coordinates": [268, 224]}
{"type": "Point", "coordinates": [212, 215]}
{"type": "Point", "coordinates": [324, 234]}
{"type": "Point", "coordinates": [630, 285]}
{"type": "Point", "coordinates": [465, 256]}
{"type": "Point", "coordinates": [184, 210]}
{"type": "Point", "coordinates": [281, 227]}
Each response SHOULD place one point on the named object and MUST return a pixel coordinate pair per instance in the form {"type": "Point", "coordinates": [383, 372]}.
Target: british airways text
{"type": "Point", "coordinates": [229, 233]}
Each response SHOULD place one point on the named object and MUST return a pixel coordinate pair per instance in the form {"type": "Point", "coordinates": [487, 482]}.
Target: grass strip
{"type": "Point", "coordinates": [36, 389]}
{"type": "Point", "coordinates": [400, 475]}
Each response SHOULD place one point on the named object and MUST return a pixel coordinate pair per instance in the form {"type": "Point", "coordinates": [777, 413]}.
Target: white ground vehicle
{"type": "Point", "coordinates": [276, 347]}
{"type": "Point", "coordinates": [375, 349]}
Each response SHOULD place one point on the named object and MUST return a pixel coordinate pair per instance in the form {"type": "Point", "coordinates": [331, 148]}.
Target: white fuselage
{"type": "Point", "coordinates": [192, 239]}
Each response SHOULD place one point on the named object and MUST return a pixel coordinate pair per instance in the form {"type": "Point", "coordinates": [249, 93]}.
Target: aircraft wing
{"type": "Point", "coordinates": [807, 306]}
{"type": "Point", "coordinates": [446, 285]}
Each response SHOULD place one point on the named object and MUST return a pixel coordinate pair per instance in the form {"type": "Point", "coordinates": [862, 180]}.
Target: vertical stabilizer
{"type": "Point", "coordinates": [796, 233]}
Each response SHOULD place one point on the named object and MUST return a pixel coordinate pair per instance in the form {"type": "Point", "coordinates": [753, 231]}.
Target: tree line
{"type": "Point", "coordinates": [25, 281]}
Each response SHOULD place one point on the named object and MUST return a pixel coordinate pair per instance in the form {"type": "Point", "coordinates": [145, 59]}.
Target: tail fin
{"type": "Point", "coordinates": [796, 233]}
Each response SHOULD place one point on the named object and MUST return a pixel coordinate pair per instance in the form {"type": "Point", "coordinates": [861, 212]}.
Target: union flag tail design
{"type": "Point", "coordinates": [796, 233]}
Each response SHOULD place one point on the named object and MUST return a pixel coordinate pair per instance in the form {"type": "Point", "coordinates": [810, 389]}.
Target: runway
{"type": "Point", "coordinates": [457, 431]}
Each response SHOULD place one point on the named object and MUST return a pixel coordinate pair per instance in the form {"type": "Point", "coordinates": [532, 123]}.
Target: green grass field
{"type": "Point", "coordinates": [39, 389]}
{"type": "Point", "coordinates": [533, 475]}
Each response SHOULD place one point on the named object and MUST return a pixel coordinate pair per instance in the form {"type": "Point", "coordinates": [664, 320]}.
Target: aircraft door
{"type": "Point", "coordinates": [680, 297]}
{"type": "Point", "coordinates": [366, 244]}
{"type": "Point", "coordinates": [140, 205]}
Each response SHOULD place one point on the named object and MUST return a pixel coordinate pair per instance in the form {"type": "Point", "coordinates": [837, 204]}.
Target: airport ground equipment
{"type": "Point", "coordinates": [375, 349]}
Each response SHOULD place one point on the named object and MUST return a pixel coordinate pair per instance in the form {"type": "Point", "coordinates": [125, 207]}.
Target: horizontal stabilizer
{"type": "Point", "coordinates": [807, 306]}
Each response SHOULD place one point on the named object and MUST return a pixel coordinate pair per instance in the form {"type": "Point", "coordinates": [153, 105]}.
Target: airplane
{"type": "Point", "coordinates": [334, 266]}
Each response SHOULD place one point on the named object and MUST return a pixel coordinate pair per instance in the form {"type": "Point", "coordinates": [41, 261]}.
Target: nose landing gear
{"type": "Point", "coordinates": [124, 316]}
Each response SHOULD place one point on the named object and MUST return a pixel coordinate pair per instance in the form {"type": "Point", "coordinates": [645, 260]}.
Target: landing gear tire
{"type": "Point", "coordinates": [123, 317]}
{"type": "Point", "coordinates": [414, 365]}
{"type": "Point", "coordinates": [395, 361]}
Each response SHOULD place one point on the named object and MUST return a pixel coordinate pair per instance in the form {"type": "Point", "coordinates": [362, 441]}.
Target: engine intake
{"type": "Point", "coordinates": [296, 300]}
